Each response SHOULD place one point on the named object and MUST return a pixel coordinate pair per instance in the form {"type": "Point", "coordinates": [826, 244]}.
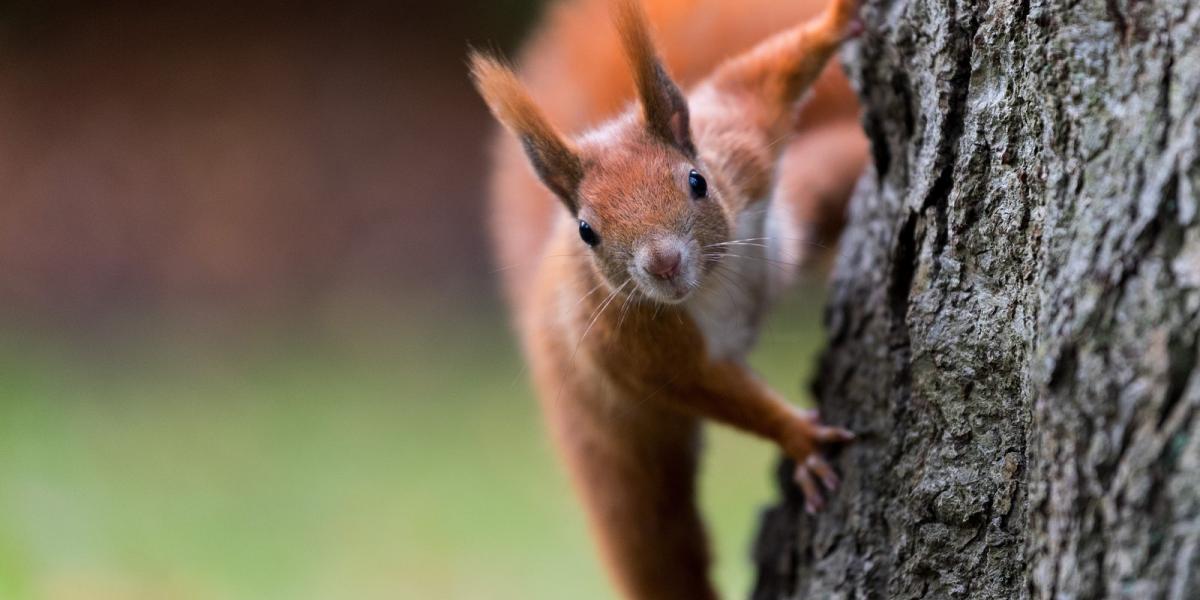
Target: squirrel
{"type": "Point", "coordinates": [640, 254]}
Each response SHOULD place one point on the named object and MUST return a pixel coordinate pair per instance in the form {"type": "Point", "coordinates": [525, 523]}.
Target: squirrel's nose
{"type": "Point", "coordinates": [664, 264]}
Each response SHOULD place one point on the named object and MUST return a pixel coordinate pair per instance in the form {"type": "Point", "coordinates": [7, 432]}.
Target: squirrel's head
{"type": "Point", "coordinates": [646, 207]}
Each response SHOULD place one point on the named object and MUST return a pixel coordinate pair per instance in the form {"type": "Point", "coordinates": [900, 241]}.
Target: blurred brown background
{"type": "Point", "coordinates": [234, 156]}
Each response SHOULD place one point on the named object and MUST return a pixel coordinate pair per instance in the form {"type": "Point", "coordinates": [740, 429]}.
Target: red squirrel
{"type": "Point", "coordinates": [641, 252]}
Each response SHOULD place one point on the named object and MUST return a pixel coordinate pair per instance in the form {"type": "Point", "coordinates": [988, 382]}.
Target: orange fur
{"type": "Point", "coordinates": [555, 159]}
{"type": "Point", "coordinates": [625, 373]}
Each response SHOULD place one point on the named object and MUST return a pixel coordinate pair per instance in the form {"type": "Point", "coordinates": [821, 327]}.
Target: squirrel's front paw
{"type": "Point", "coordinates": [801, 444]}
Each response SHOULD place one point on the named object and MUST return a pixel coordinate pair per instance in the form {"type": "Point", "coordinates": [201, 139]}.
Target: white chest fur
{"type": "Point", "coordinates": [736, 295]}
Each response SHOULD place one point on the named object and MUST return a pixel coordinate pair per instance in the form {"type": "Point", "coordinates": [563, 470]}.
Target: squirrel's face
{"type": "Point", "coordinates": [649, 211]}
{"type": "Point", "coordinates": [650, 216]}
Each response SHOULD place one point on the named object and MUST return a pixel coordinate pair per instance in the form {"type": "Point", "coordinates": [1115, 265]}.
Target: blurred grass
{"type": "Point", "coordinates": [382, 457]}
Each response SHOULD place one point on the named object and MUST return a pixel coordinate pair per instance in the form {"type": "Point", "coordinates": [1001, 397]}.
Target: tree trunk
{"type": "Point", "coordinates": [1015, 312]}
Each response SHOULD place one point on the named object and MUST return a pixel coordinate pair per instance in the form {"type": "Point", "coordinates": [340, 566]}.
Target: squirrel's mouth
{"type": "Point", "coordinates": [666, 268]}
{"type": "Point", "coordinates": [669, 291]}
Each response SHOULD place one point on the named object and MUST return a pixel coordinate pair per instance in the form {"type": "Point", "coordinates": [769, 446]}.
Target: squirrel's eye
{"type": "Point", "coordinates": [698, 184]}
{"type": "Point", "coordinates": [587, 234]}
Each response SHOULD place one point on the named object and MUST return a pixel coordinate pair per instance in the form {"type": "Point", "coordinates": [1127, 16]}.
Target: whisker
{"type": "Point", "coordinates": [599, 311]}
{"type": "Point", "coordinates": [781, 138]}
{"type": "Point", "coordinates": [767, 239]}
{"type": "Point", "coordinates": [778, 263]}
{"type": "Point", "coordinates": [625, 306]}
{"type": "Point", "coordinates": [588, 293]}
{"type": "Point", "coordinates": [755, 244]}
{"type": "Point", "coordinates": [771, 237]}
{"type": "Point", "coordinates": [731, 286]}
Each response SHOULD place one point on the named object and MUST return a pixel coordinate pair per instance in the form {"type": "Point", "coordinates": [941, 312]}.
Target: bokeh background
{"type": "Point", "coordinates": [250, 344]}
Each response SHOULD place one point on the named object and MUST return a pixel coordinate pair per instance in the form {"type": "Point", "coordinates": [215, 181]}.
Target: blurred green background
{"type": "Point", "coordinates": [387, 457]}
{"type": "Point", "coordinates": [249, 340]}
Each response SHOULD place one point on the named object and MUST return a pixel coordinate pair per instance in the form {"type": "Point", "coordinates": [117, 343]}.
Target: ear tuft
{"type": "Point", "coordinates": [663, 104]}
{"type": "Point", "coordinates": [554, 159]}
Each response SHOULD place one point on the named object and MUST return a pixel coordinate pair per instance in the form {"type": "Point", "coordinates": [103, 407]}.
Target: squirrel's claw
{"type": "Point", "coordinates": [813, 467]}
{"type": "Point", "coordinates": [833, 435]}
{"type": "Point", "coordinates": [813, 500]}
{"type": "Point", "coordinates": [820, 468]}
{"type": "Point", "coordinates": [807, 474]}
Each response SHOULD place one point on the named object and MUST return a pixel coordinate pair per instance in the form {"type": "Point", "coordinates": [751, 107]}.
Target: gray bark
{"type": "Point", "coordinates": [1014, 312]}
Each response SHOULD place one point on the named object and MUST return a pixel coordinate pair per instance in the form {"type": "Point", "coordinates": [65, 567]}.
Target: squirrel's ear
{"type": "Point", "coordinates": [554, 158]}
{"type": "Point", "coordinates": [663, 105]}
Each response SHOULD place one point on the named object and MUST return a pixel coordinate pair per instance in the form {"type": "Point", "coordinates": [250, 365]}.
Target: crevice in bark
{"type": "Point", "coordinates": [879, 147]}
{"type": "Point", "coordinates": [1120, 23]}
{"type": "Point", "coordinates": [951, 135]}
{"type": "Point", "coordinates": [904, 268]}
{"type": "Point", "coordinates": [1022, 12]}
{"type": "Point", "coordinates": [1066, 368]}
{"type": "Point", "coordinates": [1182, 353]}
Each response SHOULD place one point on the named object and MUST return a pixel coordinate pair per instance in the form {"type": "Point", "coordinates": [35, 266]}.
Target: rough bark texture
{"type": "Point", "coordinates": [1015, 312]}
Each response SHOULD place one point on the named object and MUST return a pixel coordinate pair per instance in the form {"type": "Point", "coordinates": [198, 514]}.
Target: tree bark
{"type": "Point", "coordinates": [1015, 312]}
